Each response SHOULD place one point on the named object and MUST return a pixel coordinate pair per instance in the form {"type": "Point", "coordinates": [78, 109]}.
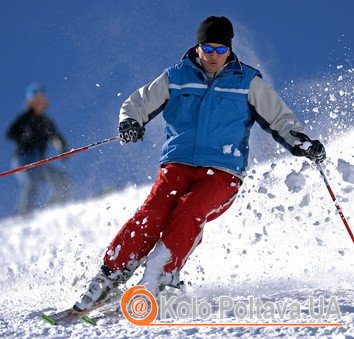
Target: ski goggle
{"type": "Point", "coordinates": [209, 49]}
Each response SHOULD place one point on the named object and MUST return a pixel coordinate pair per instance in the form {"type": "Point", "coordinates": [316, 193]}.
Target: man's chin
{"type": "Point", "coordinates": [213, 68]}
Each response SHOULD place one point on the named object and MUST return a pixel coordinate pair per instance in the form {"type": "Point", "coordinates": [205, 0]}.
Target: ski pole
{"type": "Point", "coordinates": [59, 156]}
{"type": "Point", "coordinates": [339, 209]}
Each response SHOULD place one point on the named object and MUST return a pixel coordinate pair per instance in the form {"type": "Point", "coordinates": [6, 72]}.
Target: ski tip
{"type": "Point", "coordinates": [49, 320]}
{"type": "Point", "coordinates": [87, 320]}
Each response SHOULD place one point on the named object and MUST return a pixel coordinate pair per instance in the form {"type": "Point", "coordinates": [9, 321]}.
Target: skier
{"type": "Point", "coordinates": [210, 101]}
{"type": "Point", "coordinates": [32, 131]}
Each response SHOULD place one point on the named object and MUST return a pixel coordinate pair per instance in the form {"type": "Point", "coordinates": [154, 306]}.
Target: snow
{"type": "Point", "coordinates": [114, 254]}
{"type": "Point", "coordinates": [237, 152]}
{"type": "Point", "coordinates": [332, 97]}
{"type": "Point", "coordinates": [286, 244]}
{"type": "Point", "coordinates": [305, 201]}
{"type": "Point", "coordinates": [333, 115]}
{"type": "Point", "coordinates": [347, 170]}
{"type": "Point", "coordinates": [305, 145]}
{"type": "Point", "coordinates": [295, 181]}
{"type": "Point", "coordinates": [227, 149]}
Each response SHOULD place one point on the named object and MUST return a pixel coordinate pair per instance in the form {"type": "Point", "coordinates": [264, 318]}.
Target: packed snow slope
{"type": "Point", "coordinates": [281, 240]}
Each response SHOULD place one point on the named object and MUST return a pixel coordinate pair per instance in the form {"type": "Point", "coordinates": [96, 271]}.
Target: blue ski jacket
{"type": "Point", "coordinates": [208, 123]}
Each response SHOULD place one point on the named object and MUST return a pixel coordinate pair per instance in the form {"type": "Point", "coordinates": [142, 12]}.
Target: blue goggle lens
{"type": "Point", "coordinates": [219, 50]}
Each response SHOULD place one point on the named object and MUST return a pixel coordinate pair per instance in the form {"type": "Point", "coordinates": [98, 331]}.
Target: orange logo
{"type": "Point", "coordinates": [139, 306]}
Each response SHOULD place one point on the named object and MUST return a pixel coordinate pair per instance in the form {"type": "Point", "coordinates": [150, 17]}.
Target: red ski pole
{"type": "Point", "coordinates": [339, 209]}
{"type": "Point", "coordinates": [59, 156]}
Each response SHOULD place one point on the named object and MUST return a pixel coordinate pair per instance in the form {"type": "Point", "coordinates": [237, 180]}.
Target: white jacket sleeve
{"type": "Point", "coordinates": [148, 101]}
{"type": "Point", "coordinates": [273, 114]}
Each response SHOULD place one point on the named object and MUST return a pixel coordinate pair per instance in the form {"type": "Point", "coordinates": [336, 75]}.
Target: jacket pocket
{"type": "Point", "coordinates": [232, 106]}
{"type": "Point", "coordinates": [183, 107]}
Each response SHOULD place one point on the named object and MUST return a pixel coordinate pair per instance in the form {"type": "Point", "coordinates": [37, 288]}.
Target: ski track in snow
{"type": "Point", "coordinates": [281, 240]}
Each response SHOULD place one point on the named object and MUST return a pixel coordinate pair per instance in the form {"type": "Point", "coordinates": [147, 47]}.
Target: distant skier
{"type": "Point", "coordinates": [32, 131]}
{"type": "Point", "coordinates": [210, 101]}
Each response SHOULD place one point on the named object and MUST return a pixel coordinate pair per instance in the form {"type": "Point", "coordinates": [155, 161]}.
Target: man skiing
{"type": "Point", "coordinates": [210, 101]}
{"type": "Point", "coordinates": [32, 132]}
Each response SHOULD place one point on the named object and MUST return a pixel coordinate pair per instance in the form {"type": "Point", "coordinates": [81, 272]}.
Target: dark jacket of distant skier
{"type": "Point", "coordinates": [208, 117]}
{"type": "Point", "coordinates": [32, 134]}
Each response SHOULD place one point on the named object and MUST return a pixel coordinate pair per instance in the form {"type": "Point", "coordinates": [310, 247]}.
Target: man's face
{"type": "Point", "coordinates": [212, 62]}
{"type": "Point", "coordinates": [39, 104]}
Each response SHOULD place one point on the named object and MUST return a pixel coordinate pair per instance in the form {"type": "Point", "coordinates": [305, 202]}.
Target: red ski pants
{"type": "Point", "coordinates": [183, 198]}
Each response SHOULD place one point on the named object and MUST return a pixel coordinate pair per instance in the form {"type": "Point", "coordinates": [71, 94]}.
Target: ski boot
{"type": "Point", "coordinates": [155, 285]}
{"type": "Point", "coordinates": [101, 286]}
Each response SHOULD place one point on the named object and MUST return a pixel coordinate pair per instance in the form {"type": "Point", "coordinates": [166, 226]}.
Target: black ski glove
{"type": "Point", "coordinates": [130, 130]}
{"type": "Point", "coordinates": [314, 149]}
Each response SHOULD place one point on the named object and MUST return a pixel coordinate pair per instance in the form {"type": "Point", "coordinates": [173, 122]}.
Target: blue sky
{"type": "Point", "coordinates": [91, 55]}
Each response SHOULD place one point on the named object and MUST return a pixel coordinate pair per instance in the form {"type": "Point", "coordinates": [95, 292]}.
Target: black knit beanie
{"type": "Point", "coordinates": [215, 29]}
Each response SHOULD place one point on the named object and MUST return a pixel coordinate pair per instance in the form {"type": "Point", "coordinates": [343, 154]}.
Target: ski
{"type": "Point", "coordinates": [106, 315]}
{"type": "Point", "coordinates": [87, 320]}
{"type": "Point", "coordinates": [71, 315]}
